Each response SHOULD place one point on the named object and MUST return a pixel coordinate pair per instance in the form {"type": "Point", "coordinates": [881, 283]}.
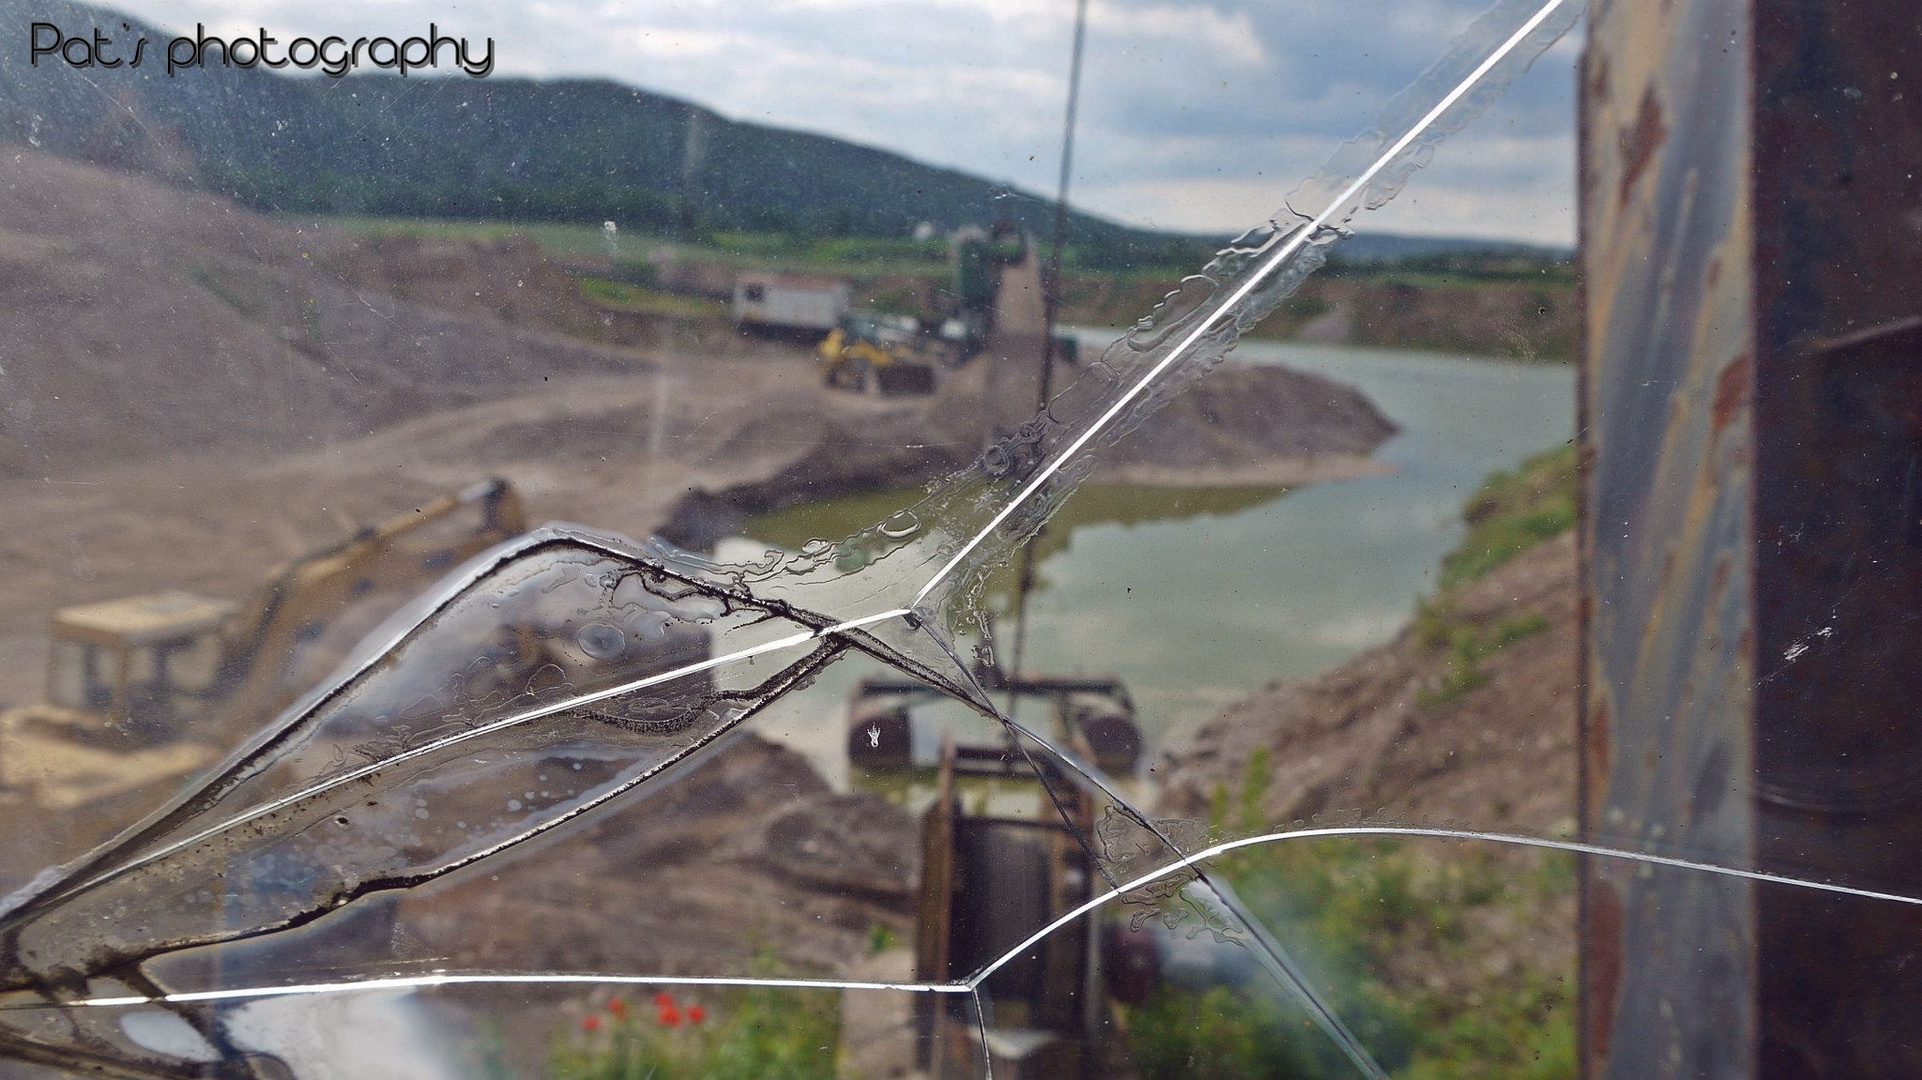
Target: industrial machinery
{"type": "Point", "coordinates": [1094, 716]}
{"type": "Point", "coordinates": [1003, 853]}
{"type": "Point", "coordinates": [988, 880]}
{"type": "Point", "coordinates": [893, 354]}
{"type": "Point", "coordinates": [976, 262]}
{"type": "Point", "coordinates": [129, 677]}
{"type": "Point", "coordinates": [880, 354]}
{"type": "Point", "coordinates": [1009, 845]}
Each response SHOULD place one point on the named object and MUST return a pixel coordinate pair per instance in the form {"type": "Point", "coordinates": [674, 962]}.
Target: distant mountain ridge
{"type": "Point", "coordinates": [507, 148]}
{"type": "Point", "coordinates": [453, 146]}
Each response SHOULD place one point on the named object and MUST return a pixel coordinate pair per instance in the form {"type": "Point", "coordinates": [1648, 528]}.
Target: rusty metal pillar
{"type": "Point", "coordinates": [1752, 534]}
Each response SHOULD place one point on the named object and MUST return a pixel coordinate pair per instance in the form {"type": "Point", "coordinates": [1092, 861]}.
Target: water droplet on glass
{"type": "Point", "coordinates": [901, 523]}
{"type": "Point", "coordinates": [601, 641]}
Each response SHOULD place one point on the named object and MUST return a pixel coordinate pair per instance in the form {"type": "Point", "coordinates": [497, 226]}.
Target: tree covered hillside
{"type": "Point", "coordinates": [455, 146]}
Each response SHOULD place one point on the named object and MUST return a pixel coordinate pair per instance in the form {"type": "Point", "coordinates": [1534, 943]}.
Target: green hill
{"type": "Point", "coordinates": [490, 148]}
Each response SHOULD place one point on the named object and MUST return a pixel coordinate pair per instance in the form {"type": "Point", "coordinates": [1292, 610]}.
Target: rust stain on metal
{"type": "Point", "coordinates": [1597, 82]}
{"type": "Point", "coordinates": [1602, 982]}
{"type": "Point", "coordinates": [1731, 392]}
{"type": "Point", "coordinates": [1665, 227]}
{"type": "Point", "coordinates": [1719, 578]}
{"type": "Point", "coordinates": [1596, 744]}
{"type": "Point", "coordinates": [1640, 142]}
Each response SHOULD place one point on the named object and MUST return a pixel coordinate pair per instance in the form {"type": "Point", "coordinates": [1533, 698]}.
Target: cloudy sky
{"type": "Point", "coordinates": [1196, 114]}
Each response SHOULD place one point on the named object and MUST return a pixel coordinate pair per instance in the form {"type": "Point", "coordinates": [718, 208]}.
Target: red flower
{"type": "Point", "coordinates": [696, 1014]}
{"type": "Point", "coordinates": [662, 1001]}
{"type": "Point", "coordinates": [617, 1007]}
{"type": "Point", "coordinates": [591, 1023]}
{"type": "Point", "coordinates": [669, 1016]}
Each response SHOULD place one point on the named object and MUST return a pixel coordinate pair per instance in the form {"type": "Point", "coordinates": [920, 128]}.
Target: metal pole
{"type": "Point", "coordinates": [1051, 303]}
{"type": "Point", "coordinates": [1752, 534]}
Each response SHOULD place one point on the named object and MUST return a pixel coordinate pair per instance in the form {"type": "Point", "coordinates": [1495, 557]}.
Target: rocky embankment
{"type": "Point", "coordinates": [1466, 719]}
{"type": "Point", "coordinates": [1518, 319]}
{"type": "Point", "coordinates": [1401, 729]}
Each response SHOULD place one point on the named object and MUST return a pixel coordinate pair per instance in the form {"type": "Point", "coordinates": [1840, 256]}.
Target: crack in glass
{"type": "Point", "coordinates": [569, 668]}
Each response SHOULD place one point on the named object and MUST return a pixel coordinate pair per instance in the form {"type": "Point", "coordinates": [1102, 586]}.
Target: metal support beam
{"type": "Point", "coordinates": [1752, 533]}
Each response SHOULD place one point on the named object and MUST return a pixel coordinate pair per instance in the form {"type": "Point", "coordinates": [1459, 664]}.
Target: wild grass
{"type": "Point", "coordinates": [1352, 911]}
{"type": "Point", "coordinates": [735, 1033]}
{"type": "Point", "coordinates": [1509, 514]}
{"type": "Point", "coordinates": [1512, 512]}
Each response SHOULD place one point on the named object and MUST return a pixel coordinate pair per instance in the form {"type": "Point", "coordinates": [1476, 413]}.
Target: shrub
{"type": "Point", "coordinates": [740, 1033]}
{"type": "Point", "coordinates": [1512, 512]}
{"type": "Point", "coordinates": [1349, 908]}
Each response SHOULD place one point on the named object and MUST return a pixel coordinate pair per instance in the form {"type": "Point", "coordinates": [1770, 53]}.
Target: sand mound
{"type": "Point", "coordinates": [143, 318]}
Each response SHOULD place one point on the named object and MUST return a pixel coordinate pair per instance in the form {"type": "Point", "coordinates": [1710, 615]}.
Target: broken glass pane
{"type": "Point", "coordinates": [991, 784]}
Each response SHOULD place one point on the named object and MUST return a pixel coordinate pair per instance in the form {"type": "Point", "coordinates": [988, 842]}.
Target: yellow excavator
{"type": "Point", "coordinates": [874, 353]}
{"type": "Point", "coordinates": [138, 687]}
{"type": "Point", "coordinates": [880, 354]}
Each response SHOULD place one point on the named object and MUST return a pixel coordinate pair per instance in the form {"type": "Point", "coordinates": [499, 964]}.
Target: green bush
{"type": "Point", "coordinates": [1525, 1031]}
{"type": "Point", "coordinates": [1512, 512]}
{"type": "Point", "coordinates": [1223, 1034]}
{"type": "Point", "coordinates": [740, 1033]}
{"type": "Point", "coordinates": [1467, 647]}
{"type": "Point", "coordinates": [1350, 908]}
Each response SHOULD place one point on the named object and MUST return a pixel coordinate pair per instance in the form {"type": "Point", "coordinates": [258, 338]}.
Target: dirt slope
{"type": "Point", "coordinates": [1520, 320]}
{"type": "Point", "coordinates": [756, 820]}
{"type": "Point", "coordinates": [142, 318]}
{"type": "Point", "coordinates": [1484, 941]}
{"type": "Point", "coordinates": [1370, 735]}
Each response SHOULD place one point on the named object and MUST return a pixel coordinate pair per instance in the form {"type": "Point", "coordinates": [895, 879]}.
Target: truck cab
{"type": "Point", "coordinates": [133, 669]}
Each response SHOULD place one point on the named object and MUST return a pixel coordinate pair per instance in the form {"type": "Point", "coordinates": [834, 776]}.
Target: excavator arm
{"type": "Point", "coordinates": [107, 734]}
{"type": "Point", "coordinates": [261, 645]}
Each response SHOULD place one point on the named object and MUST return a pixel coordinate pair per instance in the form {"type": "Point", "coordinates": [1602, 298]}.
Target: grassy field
{"type": "Point", "coordinates": [1493, 308]}
{"type": "Point", "coordinates": [562, 240]}
{"type": "Point", "coordinates": [629, 297]}
{"type": "Point", "coordinates": [852, 256]}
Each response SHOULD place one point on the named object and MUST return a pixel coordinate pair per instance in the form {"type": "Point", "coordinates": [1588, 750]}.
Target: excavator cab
{"type": "Point", "coordinates": [136, 667]}
{"type": "Point", "coordinates": [880, 354]}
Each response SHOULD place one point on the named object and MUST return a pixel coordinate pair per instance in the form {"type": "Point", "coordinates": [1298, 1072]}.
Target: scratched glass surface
{"type": "Point", "coordinates": [967, 738]}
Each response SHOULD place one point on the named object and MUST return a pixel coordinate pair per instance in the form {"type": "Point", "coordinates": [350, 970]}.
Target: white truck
{"type": "Point", "coordinates": [789, 303]}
